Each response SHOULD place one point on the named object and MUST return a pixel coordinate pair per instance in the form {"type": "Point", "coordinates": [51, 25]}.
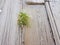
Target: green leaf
{"type": "Point", "coordinates": [23, 19]}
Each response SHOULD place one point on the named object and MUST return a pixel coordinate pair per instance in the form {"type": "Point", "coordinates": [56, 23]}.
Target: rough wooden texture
{"type": "Point", "coordinates": [39, 32]}
{"type": "Point", "coordinates": [56, 15]}
{"type": "Point", "coordinates": [53, 26]}
{"type": "Point", "coordinates": [8, 22]}
{"type": "Point", "coordinates": [55, 10]}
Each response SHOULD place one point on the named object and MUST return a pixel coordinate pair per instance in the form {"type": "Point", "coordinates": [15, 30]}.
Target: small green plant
{"type": "Point", "coordinates": [23, 19]}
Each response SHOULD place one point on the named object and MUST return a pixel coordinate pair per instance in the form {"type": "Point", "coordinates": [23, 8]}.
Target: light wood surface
{"type": "Point", "coordinates": [39, 32]}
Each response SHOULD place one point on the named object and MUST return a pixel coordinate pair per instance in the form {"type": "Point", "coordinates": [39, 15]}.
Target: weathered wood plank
{"type": "Point", "coordinates": [44, 27]}
{"type": "Point", "coordinates": [19, 38]}
{"type": "Point", "coordinates": [8, 22]}
{"type": "Point", "coordinates": [31, 35]}
{"type": "Point", "coordinates": [37, 34]}
{"type": "Point", "coordinates": [2, 21]}
{"type": "Point", "coordinates": [53, 26]}
{"type": "Point", "coordinates": [55, 10]}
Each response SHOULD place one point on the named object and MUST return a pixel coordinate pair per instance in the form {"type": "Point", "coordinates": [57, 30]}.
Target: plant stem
{"type": "Point", "coordinates": [22, 36]}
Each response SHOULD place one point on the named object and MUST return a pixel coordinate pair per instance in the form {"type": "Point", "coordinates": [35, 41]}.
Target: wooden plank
{"type": "Point", "coordinates": [37, 34]}
{"type": "Point", "coordinates": [2, 21]}
{"type": "Point", "coordinates": [44, 27]}
{"type": "Point", "coordinates": [18, 39]}
{"type": "Point", "coordinates": [55, 10]}
{"type": "Point", "coordinates": [8, 22]}
{"type": "Point", "coordinates": [31, 34]}
{"type": "Point", "coordinates": [53, 26]}
{"type": "Point", "coordinates": [44, 35]}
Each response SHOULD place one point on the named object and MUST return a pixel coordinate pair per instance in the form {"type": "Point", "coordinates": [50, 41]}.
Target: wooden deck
{"type": "Point", "coordinates": [44, 24]}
